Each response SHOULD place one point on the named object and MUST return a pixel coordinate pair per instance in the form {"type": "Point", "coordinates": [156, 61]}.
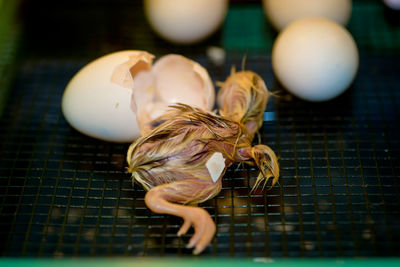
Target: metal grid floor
{"type": "Point", "coordinates": [64, 194]}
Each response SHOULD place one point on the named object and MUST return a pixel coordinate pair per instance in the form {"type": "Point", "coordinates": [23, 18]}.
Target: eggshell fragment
{"type": "Point", "coordinates": [283, 12]}
{"type": "Point", "coordinates": [97, 100]}
{"type": "Point", "coordinates": [172, 79]}
{"type": "Point", "coordinates": [316, 59]}
{"type": "Point", "coordinates": [180, 80]}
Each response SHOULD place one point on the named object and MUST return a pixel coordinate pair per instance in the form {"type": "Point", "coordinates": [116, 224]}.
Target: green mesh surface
{"type": "Point", "coordinates": [247, 29]}
{"type": "Point", "coordinates": [371, 29]}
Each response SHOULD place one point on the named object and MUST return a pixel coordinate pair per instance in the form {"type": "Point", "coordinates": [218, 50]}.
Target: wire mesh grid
{"type": "Point", "coordinates": [64, 194]}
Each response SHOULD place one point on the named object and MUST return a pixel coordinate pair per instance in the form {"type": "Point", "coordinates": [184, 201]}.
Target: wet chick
{"type": "Point", "coordinates": [182, 160]}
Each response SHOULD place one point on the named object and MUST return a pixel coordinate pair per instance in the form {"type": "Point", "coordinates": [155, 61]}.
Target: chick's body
{"type": "Point", "coordinates": [183, 159]}
{"type": "Point", "coordinates": [178, 150]}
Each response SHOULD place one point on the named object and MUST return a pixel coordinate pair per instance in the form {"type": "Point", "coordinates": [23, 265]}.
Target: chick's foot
{"type": "Point", "coordinates": [160, 200]}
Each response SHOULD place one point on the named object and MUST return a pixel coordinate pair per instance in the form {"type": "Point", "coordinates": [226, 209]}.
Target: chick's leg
{"type": "Point", "coordinates": [164, 198]}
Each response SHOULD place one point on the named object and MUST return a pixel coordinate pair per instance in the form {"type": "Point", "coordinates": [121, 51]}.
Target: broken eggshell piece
{"type": "Point", "coordinates": [172, 79]}
{"type": "Point", "coordinates": [114, 97]}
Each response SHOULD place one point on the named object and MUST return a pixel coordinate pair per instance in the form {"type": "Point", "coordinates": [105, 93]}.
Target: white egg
{"type": "Point", "coordinates": [185, 21]}
{"type": "Point", "coordinates": [114, 97]}
{"type": "Point", "coordinates": [281, 13]}
{"type": "Point", "coordinates": [316, 59]}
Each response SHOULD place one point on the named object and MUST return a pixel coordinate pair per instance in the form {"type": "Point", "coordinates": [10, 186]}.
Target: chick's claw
{"type": "Point", "coordinates": [204, 228]}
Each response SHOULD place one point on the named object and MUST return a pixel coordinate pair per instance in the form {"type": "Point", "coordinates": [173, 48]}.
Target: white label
{"type": "Point", "coordinates": [215, 166]}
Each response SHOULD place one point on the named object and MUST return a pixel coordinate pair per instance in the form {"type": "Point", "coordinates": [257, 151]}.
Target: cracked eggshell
{"type": "Point", "coordinates": [181, 80]}
{"type": "Point", "coordinates": [172, 79]}
{"type": "Point", "coordinates": [116, 97]}
{"type": "Point", "coordinates": [97, 100]}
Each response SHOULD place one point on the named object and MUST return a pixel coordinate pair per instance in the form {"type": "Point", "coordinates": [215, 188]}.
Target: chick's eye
{"type": "Point", "coordinates": [156, 123]}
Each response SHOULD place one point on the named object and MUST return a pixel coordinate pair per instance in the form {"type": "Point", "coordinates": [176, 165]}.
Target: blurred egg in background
{"type": "Point", "coordinates": [281, 13]}
{"type": "Point", "coordinates": [393, 4]}
{"type": "Point", "coordinates": [315, 59]}
{"type": "Point", "coordinates": [392, 11]}
{"type": "Point", "coordinates": [183, 21]}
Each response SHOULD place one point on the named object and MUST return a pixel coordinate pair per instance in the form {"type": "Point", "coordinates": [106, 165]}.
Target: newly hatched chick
{"type": "Point", "coordinates": [183, 159]}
